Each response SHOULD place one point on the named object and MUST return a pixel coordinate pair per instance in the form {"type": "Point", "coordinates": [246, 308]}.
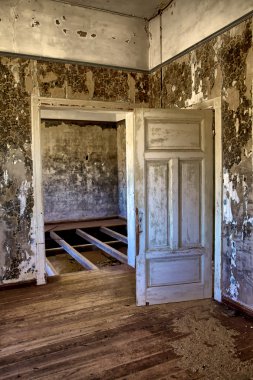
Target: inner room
{"type": "Point", "coordinates": [84, 191]}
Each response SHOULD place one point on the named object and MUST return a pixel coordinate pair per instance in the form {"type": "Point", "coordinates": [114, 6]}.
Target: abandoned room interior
{"type": "Point", "coordinates": [126, 192]}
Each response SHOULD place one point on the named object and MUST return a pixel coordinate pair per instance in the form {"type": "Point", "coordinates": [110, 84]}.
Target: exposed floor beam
{"type": "Point", "coordinates": [114, 234]}
{"type": "Point", "coordinates": [56, 249]}
{"type": "Point", "coordinates": [50, 269]}
{"type": "Point", "coordinates": [103, 246]}
{"type": "Point", "coordinates": [73, 252]}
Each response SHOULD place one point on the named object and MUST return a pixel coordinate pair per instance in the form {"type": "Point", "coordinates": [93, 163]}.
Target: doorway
{"type": "Point", "coordinates": [98, 212]}
{"type": "Point", "coordinates": [140, 192]}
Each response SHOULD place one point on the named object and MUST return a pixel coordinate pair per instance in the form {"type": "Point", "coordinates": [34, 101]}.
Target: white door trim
{"type": "Point", "coordinates": [215, 104]}
{"type": "Point", "coordinates": [37, 105]}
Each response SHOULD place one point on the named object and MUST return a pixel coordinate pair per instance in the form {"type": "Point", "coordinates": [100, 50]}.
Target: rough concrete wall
{"type": "Point", "coordinates": [46, 28]}
{"type": "Point", "coordinates": [18, 79]}
{"type": "Point", "coordinates": [224, 67]}
{"type": "Point", "coordinates": [122, 180]}
{"type": "Point", "coordinates": [80, 176]}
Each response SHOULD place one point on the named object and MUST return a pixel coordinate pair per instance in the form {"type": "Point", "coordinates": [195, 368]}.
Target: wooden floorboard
{"type": "Point", "coordinates": [86, 326]}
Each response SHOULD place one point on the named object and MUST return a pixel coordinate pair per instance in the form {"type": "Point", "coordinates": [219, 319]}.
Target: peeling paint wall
{"type": "Point", "coordinates": [80, 170]}
{"type": "Point", "coordinates": [16, 193]}
{"type": "Point", "coordinates": [47, 28]}
{"type": "Point", "coordinates": [19, 78]}
{"type": "Point", "coordinates": [223, 67]}
{"type": "Point", "coordinates": [122, 180]}
{"type": "Point", "coordinates": [76, 81]}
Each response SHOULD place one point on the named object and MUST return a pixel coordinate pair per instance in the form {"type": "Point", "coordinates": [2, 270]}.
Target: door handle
{"type": "Point", "coordinates": [139, 220]}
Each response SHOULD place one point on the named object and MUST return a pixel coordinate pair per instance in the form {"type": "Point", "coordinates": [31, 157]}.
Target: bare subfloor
{"type": "Point", "coordinates": [85, 325]}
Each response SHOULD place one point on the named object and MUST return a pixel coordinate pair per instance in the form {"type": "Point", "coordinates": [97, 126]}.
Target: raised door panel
{"type": "Point", "coordinates": [173, 161]}
{"type": "Point", "coordinates": [157, 204]}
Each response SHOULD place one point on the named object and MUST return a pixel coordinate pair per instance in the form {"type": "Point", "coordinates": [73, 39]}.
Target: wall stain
{"type": "Point", "coordinates": [15, 169]}
{"type": "Point", "coordinates": [80, 171]}
{"type": "Point", "coordinates": [81, 33]}
{"type": "Point", "coordinates": [205, 67]}
{"type": "Point", "coordinates": [177, 83]}
{"type": "Point", "coordinates": [223, 67]}
{"type": "Point", "coordinates": [19, 79]}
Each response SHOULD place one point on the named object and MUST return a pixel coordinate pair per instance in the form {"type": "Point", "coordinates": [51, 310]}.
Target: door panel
{"type": "Point", "coordinates": [173, 195]}
{"type": "Point", "coordinates": [157, 209]}
{"type": "Point", "coordinates": [189, 203]}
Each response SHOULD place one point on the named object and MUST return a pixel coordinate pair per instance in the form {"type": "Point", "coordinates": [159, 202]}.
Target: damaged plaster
{"type": "Point", "coordinates": [16, 194]}
{"type": "Point", "coordinates": [19, 79]}
{"type": "Point", "coordinates": [80, 171]}
{"type": "Point", "coordinates": [222, 67]}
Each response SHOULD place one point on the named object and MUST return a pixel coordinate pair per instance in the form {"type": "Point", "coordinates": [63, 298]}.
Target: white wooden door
{"type": "Point", "coordinates": [173, 186]}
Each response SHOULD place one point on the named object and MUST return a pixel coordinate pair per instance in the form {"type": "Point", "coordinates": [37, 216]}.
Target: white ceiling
{"type": "Point", "coordinates": [138, 8]}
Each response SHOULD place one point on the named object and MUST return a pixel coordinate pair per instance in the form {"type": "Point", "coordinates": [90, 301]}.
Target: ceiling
{"type": "Point", "coordinates": [138, 8]}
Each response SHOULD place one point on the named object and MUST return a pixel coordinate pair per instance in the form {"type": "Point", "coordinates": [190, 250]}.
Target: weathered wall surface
{"type": "Point", "coordinates": [80, 170]}
{"type": "Point", "coordinates": [122, 180]}
{"type": "Point", "coordinates": [223, 67]}
{"type": "Point", "coordinates": [18, 79]}
{"type": "Point", "coordinates": [185, 23]}
{"type": "Point", "coordinates": [16, 193]}
{"type": "Point", "coordinates": [52, 29]}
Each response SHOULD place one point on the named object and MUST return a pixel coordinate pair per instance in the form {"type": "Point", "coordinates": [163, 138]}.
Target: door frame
{"type": "Point", "coordinates": [215, 104]}
{"type": "Point", "coordinates": [37, 235]}
{"type": "Point", "coordinates": [37, 231]}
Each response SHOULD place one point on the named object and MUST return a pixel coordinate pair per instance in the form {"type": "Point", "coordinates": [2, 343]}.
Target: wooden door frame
{"type": "Point", "coordinates": [37, 236]}
{"type": "Point", "coordinates": [43, 103]}
{"type": "Point", "coordinates": [215, 104]}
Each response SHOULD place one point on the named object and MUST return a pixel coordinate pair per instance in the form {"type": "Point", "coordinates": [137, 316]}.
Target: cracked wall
{"type": "Point", "coordinates": [19, 79]}
{"type": "Point", "coordinates": [223, 66]}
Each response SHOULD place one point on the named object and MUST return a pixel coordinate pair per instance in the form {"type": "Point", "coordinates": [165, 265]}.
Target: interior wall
{"type": "Point", "coordinates": [223, 67]}
{"type": "Point", "coordinates": [80, 170]}
{"type": "Point", "coordinates": [122, 180]}
{"type": "Point", "coordinates": [52, 29]}
{"type": "Point", "coordinates": [19, 79]}
{"type": "Point", "coordinates": [185, 23]}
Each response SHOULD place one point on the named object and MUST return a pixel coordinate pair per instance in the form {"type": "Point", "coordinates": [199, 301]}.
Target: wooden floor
{"type": "Point", "coordinates": [86, 326]}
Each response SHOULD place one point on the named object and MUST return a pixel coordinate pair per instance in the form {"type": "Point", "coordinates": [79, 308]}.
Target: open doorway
{"type": "Point", "coordinates": [168, 152]}
{"type": "Point", "coordinates": [82, 186]}
{"type": "Point", "coordinates": [84, 194]}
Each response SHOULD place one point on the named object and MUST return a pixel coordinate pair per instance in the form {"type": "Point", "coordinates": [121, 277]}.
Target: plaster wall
{"type": "Point", "coordinates": [80, 170]}
{"type": "Point", "coordinates": [122, 180]}
{"type": "Point", "coordinates": [19, 79]}
{"type": "Point", "coordinates": [185, 23]}
{"type": "Point", "coordinates": [223, 67]}
{"type": "Point", "coordinates": [57, 30]}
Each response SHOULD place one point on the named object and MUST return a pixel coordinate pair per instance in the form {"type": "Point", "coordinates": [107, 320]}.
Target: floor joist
{"type": "Point", "coordinates": [103, 246]}
{"type": "Point", "coordinates": [56, 249]}
{"type": "Point", "coordinates": [114, 234]}
{"type": "Point", "coordinates": [73, 252]}
{"type": "Point", "coordinates": [50, 269]}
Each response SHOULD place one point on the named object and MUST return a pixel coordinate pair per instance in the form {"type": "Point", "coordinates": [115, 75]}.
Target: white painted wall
{"type": "Point", "coordinates": [52, 29]}
{"type": "Point", "coordinates": [154, 42]}
{"type": "Point", "coordinates": [186, 22]}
